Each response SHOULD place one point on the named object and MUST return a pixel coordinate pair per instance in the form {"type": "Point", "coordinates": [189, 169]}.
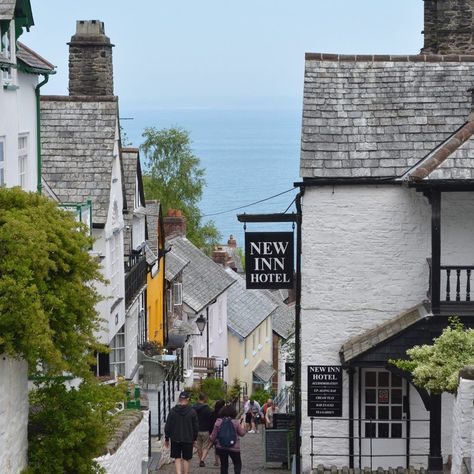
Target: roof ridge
{"type": "Point", "coordinates": [429, 58]}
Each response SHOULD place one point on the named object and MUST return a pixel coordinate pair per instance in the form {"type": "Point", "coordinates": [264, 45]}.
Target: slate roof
{"type": "Point", "coordinates": [78, 137]}
{"type": "Point", "coordinates": [357, 345]}
{"type": "Point", "coordinates": [246, 309]}
{"type": "Point", "coordinates": [283, 319]}
{"type": "Point", "coordinates": [152, 214]}
{"type": "Point", "coordinates": [264, 371]}
{"type": "Point", "coordinates": [7, 9]}
{"type": "Point", "coordinates": [203, 279]}
{"type": "Point", "coordinates": [378, 116]}
{"type": "Point", "coordinates": [174, 264]}
{"type": "Point", "coordinates": [33, 60]}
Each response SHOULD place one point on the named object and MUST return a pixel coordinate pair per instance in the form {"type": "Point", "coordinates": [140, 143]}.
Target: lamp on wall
{"type": "Point", "coordinates": [201, 323]}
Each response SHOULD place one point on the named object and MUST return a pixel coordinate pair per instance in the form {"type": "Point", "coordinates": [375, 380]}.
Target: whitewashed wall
{"type": "Point", "coordinates": [13, 415]}
{"type": "Point", "coordinates": [364, 262]}
{"type": "Point", "coordinates": [131, 336]}
{"type": "Point", "coordinates": [131, 454]}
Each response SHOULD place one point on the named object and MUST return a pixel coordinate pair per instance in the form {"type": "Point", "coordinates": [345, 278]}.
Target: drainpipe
{"type": "Point", "coordinates": [38, 132]}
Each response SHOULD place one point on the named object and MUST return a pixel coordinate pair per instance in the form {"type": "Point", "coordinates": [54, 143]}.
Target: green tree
{"type": "Point", "coordinates": [175, 178]}
{"type": "Point", "coordinates": [47, 296]}
{"type": "Point", "coordinates": [436, 367]}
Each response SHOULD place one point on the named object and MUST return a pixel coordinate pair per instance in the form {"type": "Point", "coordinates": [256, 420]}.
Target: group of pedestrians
{"type": "Point", "coordinates": [256, 415]}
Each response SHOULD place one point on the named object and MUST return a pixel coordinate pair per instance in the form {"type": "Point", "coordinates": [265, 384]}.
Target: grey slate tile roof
{"type": "Point", "coordinates": [283, 317]}
{"type": "Point", "coordinates": [264, 371]}
{"type": "Point", "coordinates": [203, 280]}
{"type": "Point", "coordinates": [174, 264]}
{"type": "Point", "coordinates": [32, 59]}
{"type": "Point", "coordinates": [78, 136]}
{"type": "Point", "coordinates": [246, 309]}
{"type": "Point", "coordinates": [369, 339]}
{"type": "Point", "coordinates": [377, 116]}
{"type": "Point", "coordinates": [7, 9]}
{"type": "Point", "coordinates": [152, 213]}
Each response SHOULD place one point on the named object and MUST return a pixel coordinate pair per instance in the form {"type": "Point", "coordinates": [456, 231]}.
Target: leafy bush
{"type": "Point", "coordinates": [214, 388]}
{"type": "Point", "coordinates": [261, 396]}
{"type": "Point", "coordinates": [436, 367]}
{"type": "Point", "coordinates": [69, 428]}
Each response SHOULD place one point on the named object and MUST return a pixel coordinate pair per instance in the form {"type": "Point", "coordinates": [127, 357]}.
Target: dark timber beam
{"type": "Point", "coordinates": [435, 460]}
{"type": "Point", "coordinates": [435, 249]}
{"type": "Point", "coordinates": [292, 217]}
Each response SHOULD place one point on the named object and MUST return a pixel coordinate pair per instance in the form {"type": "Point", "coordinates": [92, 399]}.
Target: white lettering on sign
{"type": "Point", "coordinates": [269, 263]}
{"type": "Point", "coordinates": [265, 248]}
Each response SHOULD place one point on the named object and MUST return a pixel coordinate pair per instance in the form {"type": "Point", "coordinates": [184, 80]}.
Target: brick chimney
{"type": "Point", "coordinates": [90, 60]}
{"type": "Point", "coordinates": [449, 27]}
{"type": "Point", "coordinates": [174, 224]}
{"type": "Point", "coordinates": [232, 242]}
{"type": "Point", "coordinates": [219, 255]}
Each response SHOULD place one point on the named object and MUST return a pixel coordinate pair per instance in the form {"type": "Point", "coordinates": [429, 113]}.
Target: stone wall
{"type": "Point", "coordinates": [448, 27]}
{"type": "Point", "coordinates": [463, 417]}
{"type": "Point", "coordinates": [13, 415]}
{"type": "Point", "coordinates": [128, 454]}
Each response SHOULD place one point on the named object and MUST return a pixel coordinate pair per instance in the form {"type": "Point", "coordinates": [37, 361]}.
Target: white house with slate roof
{"type": "Point", "coordinates": [82, 163]}
{"type": "Point", "coordinates": [387, 167]}
{"type": "Point", "coordinates": [205, 288]}
{"type": "Point", "coordinates": [250, 335]}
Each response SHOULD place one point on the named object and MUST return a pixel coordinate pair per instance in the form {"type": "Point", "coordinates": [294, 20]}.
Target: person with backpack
{"type": "Point", "coordinates": [226, 436]}
{"type": "Point", "coordinates": [182, 429]}
{"type": "Point", "coordinates": [206, 424]}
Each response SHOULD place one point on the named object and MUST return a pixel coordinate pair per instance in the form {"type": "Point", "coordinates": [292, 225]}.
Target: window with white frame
{"type": "Point", "coordinates": [117, 353]}
{"type": "Point", "coordinates": [254, 341]}
{"type": "Point", "coordinates": [178, 294]}
{"type": "Point", "coordinates": [168, 301]}
{"type": "Point", "coordinates": [245, 348]}
{"type": "Point", "coordinates": [23, 145]}
{"type": "Point", "coordinates": [2, 161]}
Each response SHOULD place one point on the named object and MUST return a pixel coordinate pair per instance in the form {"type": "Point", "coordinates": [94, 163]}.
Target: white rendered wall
{"type": "Point", "coordinates": [364, 262]}
{"type": "Point", "coordinates": [131, 453]}
{"type": "Point", "coordinates": [13, 415]}
{"type": "Point", "coordinates": [131, 336]}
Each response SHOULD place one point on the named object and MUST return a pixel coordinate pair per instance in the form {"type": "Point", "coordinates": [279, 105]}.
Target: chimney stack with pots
{"type": "Point", "coordinates": [90, 61]}
{"type": "Point", "coordinates": [232, 242]}
{"type": "Point", "coordinates": [174, 224]}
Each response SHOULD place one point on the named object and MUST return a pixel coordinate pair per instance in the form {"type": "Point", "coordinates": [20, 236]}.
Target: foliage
{"type": "Point", "coordinates": [214, 388]}
{"type": "Point", "coordinates": [69, 428]}
{"type": "Point", "coordinates": [151, 348]}
{"type": "Point", "coordinates": [436, 367]}
{"type": "Point", "coordinates": [175, 178]}
{"type": "Point", "coordinates": [261, 396]}
{"type": "Point", "coordinates": [233, 392]}
{"type": "Point", "coordinates": [47, 297]}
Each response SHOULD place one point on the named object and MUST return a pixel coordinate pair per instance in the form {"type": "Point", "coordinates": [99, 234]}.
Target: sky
{"type": "Point", "coordinates": [222, 53]}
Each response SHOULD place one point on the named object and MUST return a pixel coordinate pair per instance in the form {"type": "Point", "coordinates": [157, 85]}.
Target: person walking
{"type": "Point", "coordinates": [182, 429]}
{"type": "Point", "coordinates": [206, 424]}
{"type": "Point", "coordinates": [226, 437]}
{"type": "Point", "coordinates": [255, 415]}
{"type": "Point", "coordinates": [247, 415]}
{"type": "Point", "coordinates": [271, 409]}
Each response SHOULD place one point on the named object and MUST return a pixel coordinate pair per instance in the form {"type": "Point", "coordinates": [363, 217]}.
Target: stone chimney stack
{"type": "Point", "coordinates": [90, 60]}
{"type": "Point", "coordinates": [219, 255]}
{"type": "Point", "coordinates": [232, 242]}
{"type": "Point", "coordinates": [174, 224]}
{"type": "Point", "coordinates": [449, 27]}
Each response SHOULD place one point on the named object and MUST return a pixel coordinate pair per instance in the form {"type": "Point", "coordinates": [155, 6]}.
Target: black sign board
{"type": "Point", "coordinates": [269, 260]}
{"type": "Point", "coordinates": [277, 447]}
{"type": "Point", "coordinates": [324, 390]}
{"type": "Point", "coordinates": [284, 421]}
{"type": "Point", "coordinates": [289, 371]}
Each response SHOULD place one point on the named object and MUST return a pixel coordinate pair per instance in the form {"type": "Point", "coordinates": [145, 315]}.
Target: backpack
{"type": "Point", "coordinates": [227, 436]}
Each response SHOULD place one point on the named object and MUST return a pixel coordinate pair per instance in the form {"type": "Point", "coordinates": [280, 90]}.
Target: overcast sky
{"type": "Point", "coordinates": [222, 52]}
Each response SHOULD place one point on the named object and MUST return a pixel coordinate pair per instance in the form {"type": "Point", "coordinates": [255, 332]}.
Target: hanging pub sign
{"type": "Point", "coordinates": [269, 260]}
{"type": "Point", "coordinates": [325, 391]}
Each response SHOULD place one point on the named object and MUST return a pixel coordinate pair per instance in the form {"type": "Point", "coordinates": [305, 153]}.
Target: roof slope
{"type": "Point", "coordinates": [174, 264]}
{"type": "Point", "coordinates": [33, 60]}
{"type": "Point", "coordinates": [78, 137]}
{"type": "Point", "coordinates": [283, 318]}
{"type": "Point", "coordinates": [203, 280]}
{"type": "Point", "coordinates": [152, 217]}
{"type": "Point", "coordinates": [377, 116]}
{"type": "Point", "coordinates": [246, 309]}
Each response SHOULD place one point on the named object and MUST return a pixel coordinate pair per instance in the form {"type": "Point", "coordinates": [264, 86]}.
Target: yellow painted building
{"type": "Point", "coordinates": [156, 276]}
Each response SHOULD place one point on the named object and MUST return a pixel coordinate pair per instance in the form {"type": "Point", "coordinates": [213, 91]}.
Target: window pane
{"type": "Point", "coordinates": [370, 412]}
{"type": "Point", "coordinates": [370, 379]}
{"type": "Point", "coordinates": [396, 430]}
{"type": "Point", "coordinates": [397, 413]}
{"type": "Point", "coordinates": [383, 413]}
{"type": "Point", "coordinates": [383, 430]}
{"type": "Point", "coordinates": [397, 396]}
{"type": "Point", "coordinates": [384, 379]}
{"type": "Point", "coordinates": [384, 395]}
{"type": "Point", "coordinates": [396, 381]}
{"type": "Point", "coordinates": [370, 395]}
{"type": "Point", "coordinates": [370, 430]}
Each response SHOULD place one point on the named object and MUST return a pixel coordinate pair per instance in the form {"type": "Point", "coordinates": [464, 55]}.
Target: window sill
{"type": "Point", "coordinates": [10, 87]}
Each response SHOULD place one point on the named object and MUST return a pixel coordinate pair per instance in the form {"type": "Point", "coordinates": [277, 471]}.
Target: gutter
{"type": "Point", "coordinates": [39, 186]}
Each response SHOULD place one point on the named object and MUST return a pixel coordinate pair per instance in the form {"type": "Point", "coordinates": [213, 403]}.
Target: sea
{"type": "Point", "coordinates": [249, 155]}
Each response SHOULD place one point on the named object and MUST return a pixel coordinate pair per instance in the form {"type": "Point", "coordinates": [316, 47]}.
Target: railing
{"type": "Point", "coordinates": [135, 277]}
{"type": "Point", "coordinates": [457, 283]}
{"type": "Point", "coordinates": [365, 444]}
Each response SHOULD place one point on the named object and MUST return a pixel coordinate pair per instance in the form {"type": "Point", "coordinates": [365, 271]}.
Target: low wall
{"type": "Point", "coordinates": [13, 415]}
{"type": "Point", "coordinates": [128, 449]}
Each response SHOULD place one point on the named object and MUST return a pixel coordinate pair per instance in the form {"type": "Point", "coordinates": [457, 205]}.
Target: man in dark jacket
{"type": "Point", "coordinates": [182, 428]}
{"type": "Point", "coordinates": [206, 424]}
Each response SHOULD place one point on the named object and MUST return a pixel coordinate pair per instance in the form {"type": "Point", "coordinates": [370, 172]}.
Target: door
{"type": "Point", "coordinates": [383, 423]}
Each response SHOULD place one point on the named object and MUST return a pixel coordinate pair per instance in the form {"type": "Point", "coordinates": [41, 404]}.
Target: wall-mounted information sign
{"type": "Point", "coordinates": [269, 260]}
{"type": "Point", "coordinates": [324, 390]}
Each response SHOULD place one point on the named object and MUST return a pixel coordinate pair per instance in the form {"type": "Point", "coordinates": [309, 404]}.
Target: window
{"type": "Point", "coordinates": [178, 294]}
{"type": "Point", "coordinates": [23, 160]}
{"type": "Point", "coordinates": [2, 161]}
{"type": "Point", "coordinates": [245, 348]}
{"type": "Point", "coordinates": [168, 302]}
{"type": "Point", "coordinates": [254, 342]}
{"type": "Point", "coordinates": [117, 354]}
{"type": "Point", "coordinates": [267, 326]}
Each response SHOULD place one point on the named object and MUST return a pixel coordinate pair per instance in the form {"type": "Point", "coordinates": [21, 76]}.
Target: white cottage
{"type": "Point", "coordinates": [387, 167]}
